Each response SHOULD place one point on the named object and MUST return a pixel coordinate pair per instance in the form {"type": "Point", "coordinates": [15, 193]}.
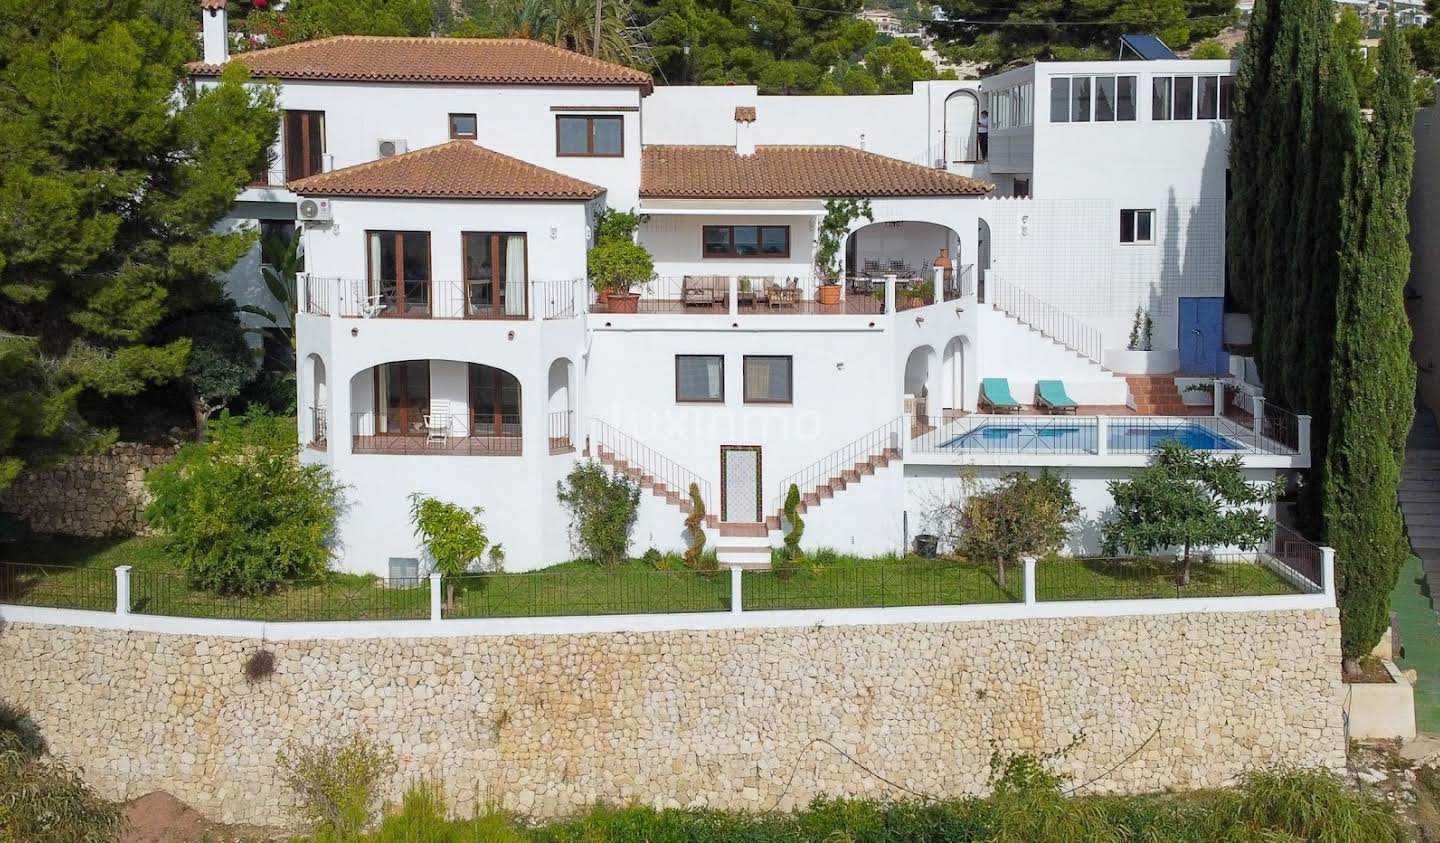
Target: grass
{"type": "Point", "coordinates": [78, 573]}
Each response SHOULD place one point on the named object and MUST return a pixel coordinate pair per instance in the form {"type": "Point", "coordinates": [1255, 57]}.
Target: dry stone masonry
{"type": "Point", "coordinates": [93, 496]}
{"type": "Point", "coordinates": [548, 724]}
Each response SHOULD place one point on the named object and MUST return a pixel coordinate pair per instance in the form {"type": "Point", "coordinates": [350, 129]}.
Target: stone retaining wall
{"type": "Point", "coordinates": [93, 496]}
{"type": "Point", "coordinates": [548, 724]}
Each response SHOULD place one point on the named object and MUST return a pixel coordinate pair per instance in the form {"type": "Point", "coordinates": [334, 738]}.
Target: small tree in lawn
{"type": "Point", "coordinates": [603, 508]}
{"type": "Point", "coordinates": [1188, 499]}
{"type": "Point", "coordinates": [453, 535]}
{"type": "Point", "coordinates": [1019, 516]}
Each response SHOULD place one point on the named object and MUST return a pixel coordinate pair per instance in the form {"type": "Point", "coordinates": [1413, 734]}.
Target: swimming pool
{"type": "Point", "coordinates": [1070, 436]}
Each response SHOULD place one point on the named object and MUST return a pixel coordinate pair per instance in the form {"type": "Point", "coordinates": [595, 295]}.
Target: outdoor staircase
{"type": "Point", "coordinates": [628, 466]}
{"type": "Point", "coordinates": [818, 493]}
{"type": "Point", "coordinates": [1420, 496]}
{"type": "Point", "coordinates": [743, 545]}
{"type": "Point", "coordinates": [1157, 395]}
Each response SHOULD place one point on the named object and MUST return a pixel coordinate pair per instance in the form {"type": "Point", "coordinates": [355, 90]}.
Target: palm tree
{"type": "Point", "coordinates": [571, 24]}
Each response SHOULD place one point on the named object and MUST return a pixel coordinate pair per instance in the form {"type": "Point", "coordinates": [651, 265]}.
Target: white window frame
{"type": "Point", "coordinates": [1135, 227]}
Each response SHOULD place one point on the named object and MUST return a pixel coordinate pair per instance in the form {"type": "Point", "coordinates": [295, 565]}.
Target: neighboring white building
{"type": "Point", "coordinates": [449, 343]}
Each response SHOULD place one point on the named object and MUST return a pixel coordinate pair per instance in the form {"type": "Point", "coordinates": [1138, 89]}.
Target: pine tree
{"type": "Point", "coordinates": [113, 175]}
{"type": "Point", "coordinates": [1372, 376]}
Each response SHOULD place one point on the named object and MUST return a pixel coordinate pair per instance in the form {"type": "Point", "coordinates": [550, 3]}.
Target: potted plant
{"type": "Point", "coordinates": [921, 293]}
{"type": "Point", "coordinates": [616, 264]}
{"type": "Point", "coordinates": [829, 235]}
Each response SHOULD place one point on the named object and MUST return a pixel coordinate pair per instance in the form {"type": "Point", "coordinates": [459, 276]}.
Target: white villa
{"type": "Point", "coordinates": [450, 343]}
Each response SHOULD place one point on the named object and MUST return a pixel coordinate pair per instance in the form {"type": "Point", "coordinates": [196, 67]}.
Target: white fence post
{"type": "Point", "coordinates": [1102, 435]}
{"type": "Point", "coordinates": [1257, 423]}
{"type": "Point", "coordinates": [889, 294]}
{"type": "Point", "coordinates": [1302, 435]}
{"type": "Point", "coordinates": [1029, 563]}
{"type": "Point", "coordinates": [1219, 397]}
{"type": "Point", "coordinates": [1327, 572]}
{"type": "Point", "coordinates": [435, 601]}
{"type": "Point", "coordinates": [122, 589]}
{"type": "Point", "coordinates": [939, 282]}
{"type": "Point", "coordinates": [736, 605]}
{"type": "Point", "coordinates": [733, 296]}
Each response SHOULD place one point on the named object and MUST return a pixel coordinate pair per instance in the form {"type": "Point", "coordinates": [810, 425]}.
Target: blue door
{"type": "Point", "coordinates": [1202, 336]}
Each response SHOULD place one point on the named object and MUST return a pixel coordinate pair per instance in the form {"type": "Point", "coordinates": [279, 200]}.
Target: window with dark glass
{"type": "Point", "coordinates": [700, 378]}
{"type": "Point", "coordinates": [1105, 107]}
{"type": "Point", "coordinates": [768, 380]}
{"type": "Point", "coordinates": [1060, 100]}
{"type": "Point", "coordinates": [1227, 96]}
{"type": "Point", "coordinates": [1137, 226]}
{"type": "Point", "coordinates": [1162, 97]}
{"type": "Point", "coordinates": [1184, 98]}
{"type": "Point", "coordinates": [463, 126]}
{"type": "Point", "coordinates": [399, 272]}
{"type": "Point", "coordinates": [745, 241]}
{"type": "Point", "coordinates": [304, 143]}
{"type": "Point", "coordinates": [1126, 93]}
{"type": "Point", "coordinates": [1207, 100]}
{"type": "Point", "coordinates": [494, 404]}
{"type": "Point", "coordinates": [495, 267]}
{"type": "Point", "coordinates": [1080, 99]}
{"type": "Point", "coordinates": [589, 135]}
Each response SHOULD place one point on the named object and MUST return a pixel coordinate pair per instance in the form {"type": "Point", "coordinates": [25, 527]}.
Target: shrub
{"type": "Point", "coordinates": [695, 530]}
{"type": "Point", "coordinates": [618, 265]}
{"type": "Point", "coordinates": [338, 785]}
{"type": "Point", "coordinates": [1021, 515]}
{"type": "Point", "coordinates": [16, 723]}
{"type": "Point", "coordinates": [44, 799]}
{"type": "Point", "coordinates": [242, 514]}
{"type": "Point", "coordinates": [454, 538]}
{"type": "Point", "coordinates": [792, 517]}
{"type": "Point", "coordinates": [603, 508]}
{"type": "Point", "coordinates": [259, 666]}
{"type": "Point", "coordinates": [612, 226]}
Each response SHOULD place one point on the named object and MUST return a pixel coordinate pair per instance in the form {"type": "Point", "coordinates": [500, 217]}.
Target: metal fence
{"type": "Point", "coordinates": [1070, 331]}
{"type": "Point", "coordinates": [479, 435]}
{"type": "Point", "coordinates": [1149, 578]}
{"type": "Point", "coordinates": [585, 591]}
{"type": "Point", "coordinates": [336, 598]}
{"type": "Point", "coordinates": [615, 447]}
{"type": "Point", "coordinates": [880, 584]}
{"type": "Point", "coordinates": [1000, 434]}
{"type": "Point", "coordinates": [846, 463]}
{"type": "Point", "coordinates": [557, 430]}
{"type": "Point", "coordinates": [57, 586]}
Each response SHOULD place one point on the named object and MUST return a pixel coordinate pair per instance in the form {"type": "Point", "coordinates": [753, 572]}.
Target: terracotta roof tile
{"type": "Point", "coordinates": [478, 61]}
{"type": "Point", "coordinates": [455, 170]}
{"type": "Point", "coordinates": [791, 172]}
{"type": "Point", "coordinates": [744, 114]}
{"type": "Point", "coordinates": [212, 4]}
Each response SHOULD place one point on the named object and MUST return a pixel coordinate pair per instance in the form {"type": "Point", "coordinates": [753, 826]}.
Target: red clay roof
{"type": "Point", "coordinates": [791, 172]}
{"type": "Point", "coordinates": [455, 170]}
{"type": "Point", "coordinates": [477, 61]}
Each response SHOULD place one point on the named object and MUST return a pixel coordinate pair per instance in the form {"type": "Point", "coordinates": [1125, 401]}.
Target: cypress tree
{"type": "Point", "coordinates": [1372, 378]}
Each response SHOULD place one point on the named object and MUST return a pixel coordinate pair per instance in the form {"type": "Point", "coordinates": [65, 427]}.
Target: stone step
{"type": "Point", "coordinates": [743, 556]}
{"type": "Point", "coordinates": [736, 529]}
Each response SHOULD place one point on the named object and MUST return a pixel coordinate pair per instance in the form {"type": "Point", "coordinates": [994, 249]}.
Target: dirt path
{"type": "Point", "coordinates": [161, 818]}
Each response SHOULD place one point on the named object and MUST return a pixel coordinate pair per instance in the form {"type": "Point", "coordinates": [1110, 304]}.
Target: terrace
{"type": "Point", "coordinates": [731, 295]}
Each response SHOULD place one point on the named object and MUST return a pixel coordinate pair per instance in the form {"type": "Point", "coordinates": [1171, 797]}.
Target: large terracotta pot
{"type": "Point", "coordinates": [623, 303]}
{"type": "Point", "coordinates": [828, 294]}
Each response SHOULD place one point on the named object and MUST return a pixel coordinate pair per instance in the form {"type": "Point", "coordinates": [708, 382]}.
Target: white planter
{"type": "Point", "coordinates": [1380, 710]}
{"type": "Point", "coordinates": [1123, 361]}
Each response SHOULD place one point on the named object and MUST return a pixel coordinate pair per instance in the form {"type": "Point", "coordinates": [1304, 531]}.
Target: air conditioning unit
{"type": "Point", "coordinates": [393, 146]}
{"type": "Point", "coordinates": [314, 210]}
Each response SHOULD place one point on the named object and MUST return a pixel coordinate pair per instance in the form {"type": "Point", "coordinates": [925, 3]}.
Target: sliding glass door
{"type": "Point", "coordinates": [495, 268]}
{"type": "Point", "coordinates": [399, 267]}
{"type": "Point", "coordinates": [494, 401]}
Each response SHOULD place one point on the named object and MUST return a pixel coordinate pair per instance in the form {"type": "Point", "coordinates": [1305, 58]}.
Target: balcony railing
{"type": "Point", "coordinates": [319, 432]}
{"type": "Point", "coordinates": [1104, 435]}
{"type": "Point", "coordinates": [721, 295]}
{"type": "Point", "coordinates": [1070, 331]}
{"type": "Point", "coordinates": [557, 431]}
{"type": "Point", "coordinates": [397, 433]}
{"type": "Point", "coordinates": [353, 298]}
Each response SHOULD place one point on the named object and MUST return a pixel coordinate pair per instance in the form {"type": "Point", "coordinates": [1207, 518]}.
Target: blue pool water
{"type": "Point", "coordinates": [1024, 436]}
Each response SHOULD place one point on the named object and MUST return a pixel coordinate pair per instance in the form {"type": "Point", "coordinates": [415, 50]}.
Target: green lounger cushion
{"type": "Point", "coordinates": [997, 392]}
{"type": "Point", "coordinates": [1053, 393]}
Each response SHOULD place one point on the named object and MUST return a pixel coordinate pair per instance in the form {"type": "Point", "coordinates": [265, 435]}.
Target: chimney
{"type": "Point", "coordinates": [744, 130]}
{"type": "Point", "coordinates": [215, 26]}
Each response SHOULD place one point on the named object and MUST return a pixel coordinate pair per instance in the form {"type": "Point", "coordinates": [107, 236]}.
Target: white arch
{"type": "Point", "coordinates": [922, 383]}
{"type": "Point", "coordinates": [962, 115]}
{"type": "Point", "coordinates": [317, 421]}
{"type": "Point", "coordinates": [560, 403]}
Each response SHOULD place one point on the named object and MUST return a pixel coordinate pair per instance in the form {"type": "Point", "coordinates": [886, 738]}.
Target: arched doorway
{"type": "Point", "coordinates": [982, 256]}
{"type": "Point", "coordinates": [318, 432]}
{"type": "Point", "coordinates": [952, 381]}
{"type": "Point", "coordinates": [907, 249]}
{"type": "Point", "coordinates": [921, 383]}
{"type": "Point", "coordinates": [560, 405]}
{"type": "Point", "coordinates": [962, 114]}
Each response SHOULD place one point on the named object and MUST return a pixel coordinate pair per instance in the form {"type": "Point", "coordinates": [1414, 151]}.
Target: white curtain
{"type": "Point", "coordinates": [515, 275]}
{"type": "Point", "coordinates": [382, 399]}
{"type": "Point", "coordinates": [373, 287]}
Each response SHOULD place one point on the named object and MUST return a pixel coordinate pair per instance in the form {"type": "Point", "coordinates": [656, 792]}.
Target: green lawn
{"type": "Point", "coordinates": [78, 573]}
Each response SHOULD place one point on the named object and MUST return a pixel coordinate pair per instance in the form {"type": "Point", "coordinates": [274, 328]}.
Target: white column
{"type": "Point", "coordinates": [736, 606]}
{"type": "Point", "coordinates": [1102, 435]}
{"type": "Point", "coordinates": [939, 282]}
{"type": "Point", "coordinates": [1327, 572]}
{"type": "Point", "coordinates": [1257, 407]}
{"type": "Point", "coordinates": [1302, 435]}
{"type": "Point", "coordinates": [1029, 563]}
{"type": "Point", "coordinates": [889, 294]}
{"type": "Point", "coordinates": [122, 590]}
{"type": "Point", "coordinates": [734, 295]}
{"type": "Point", "coordinates": [435, 601]}
{"type": "Point", "coordinates": [215, 40]}
{"type": "Point", "coordinates": [1219, 397]}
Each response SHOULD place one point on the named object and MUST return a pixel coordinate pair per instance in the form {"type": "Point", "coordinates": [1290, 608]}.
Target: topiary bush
{"type": "Point", "coordinates": [787, 561]}
{"type": "Point", "coordinates": [603, 508]}
{"type": "Point", "coordinates": [695, 532]}
{"type": "Point", "coordinates": [241, 512]}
